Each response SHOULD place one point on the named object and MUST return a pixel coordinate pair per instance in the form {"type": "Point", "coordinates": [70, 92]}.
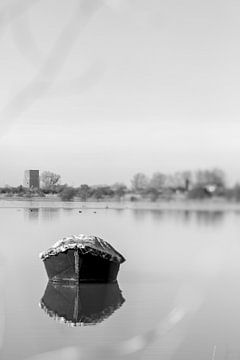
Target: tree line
{"type": "Point", "coordinates": [198, 184]}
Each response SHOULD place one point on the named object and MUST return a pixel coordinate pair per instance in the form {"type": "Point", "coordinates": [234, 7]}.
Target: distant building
{"type": "Point", "coordinates": [31, 179]}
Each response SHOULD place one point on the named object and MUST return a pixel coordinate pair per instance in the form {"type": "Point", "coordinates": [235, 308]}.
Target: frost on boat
{"type": "Point", "coordinates": [81, 304]}
{"type": "Point", "coordinates": [82, 259]}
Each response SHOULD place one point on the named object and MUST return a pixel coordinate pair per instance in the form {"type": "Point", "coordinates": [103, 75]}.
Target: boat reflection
{"type": "Point", "coordinates": [168, 334]}
{"type": "Point", "coordinates": [83, 304]}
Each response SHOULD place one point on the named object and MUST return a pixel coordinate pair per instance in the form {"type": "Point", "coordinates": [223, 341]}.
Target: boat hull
{"type": "Point", "coordinates": [71, 266]}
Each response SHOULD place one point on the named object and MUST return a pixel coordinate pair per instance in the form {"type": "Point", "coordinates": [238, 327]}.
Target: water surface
{"type": "Point", "coordinates": [180, 283]}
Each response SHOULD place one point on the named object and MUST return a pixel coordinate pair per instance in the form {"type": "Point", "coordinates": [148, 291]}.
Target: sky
{"type": "Point", "coordinates": [98, 90]}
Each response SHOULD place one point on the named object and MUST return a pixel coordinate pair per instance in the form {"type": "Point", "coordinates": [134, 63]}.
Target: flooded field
{"type": "Point", "coordinates": [177, 296]}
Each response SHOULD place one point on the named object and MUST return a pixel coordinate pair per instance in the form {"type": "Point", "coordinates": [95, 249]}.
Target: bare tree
{"type": "Point", "coordinates": [119, 189]}
{"type": "Point", "coordinates": [158, 181]}
{"type": "Point", "coordinates": [182, 179]}
{"type": "Point", "coordinates": [139, 182]}
{"type": "Point", "coordinates": [84, 192]}
{"type": "Point", "coordinates": [211, 177]}
{"type": "Point", "coordinates": [49, 179]}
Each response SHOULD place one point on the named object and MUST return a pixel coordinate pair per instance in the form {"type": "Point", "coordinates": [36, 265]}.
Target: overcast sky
{"type": "Point", "coordinates": [100, 91]}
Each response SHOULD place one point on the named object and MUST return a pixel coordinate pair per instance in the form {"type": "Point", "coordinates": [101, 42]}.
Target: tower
{"type": "Point", "coordinates": [31, 179]}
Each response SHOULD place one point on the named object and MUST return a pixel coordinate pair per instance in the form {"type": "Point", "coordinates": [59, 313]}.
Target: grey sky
{"type": "Point", "coordinates": [143, 86]}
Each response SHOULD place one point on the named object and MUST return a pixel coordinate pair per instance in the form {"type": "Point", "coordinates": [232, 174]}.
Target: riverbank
{"type": "Point", "coordinates": [179, 205]}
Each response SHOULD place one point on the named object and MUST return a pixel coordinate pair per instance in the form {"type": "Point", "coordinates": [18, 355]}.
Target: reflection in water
{"type": "Point", "coordinates": [83, 304]}
{"type": "Point", "coordinates": [50, 214]}
{"type": "Point", "coordinates": [204, 217]}
{"type": "Point", "coordinates": [32, 214]}
{"type": "Point", "coordinates": [209, 217]}
{"type": "Point", "coordinates": [196, 261]}
{"type": "Point", "coordinates": [118, 211]}
{"type": "Point", "coordinates": [169, 333]}
{"type": "Point", "coordinates": [140, 214]}
{"type": "Point", "coordinates": [182, 215]}
{"type": "Point", "coordinates": [68, 211]}
{"type": "Point", "coordinates": [157, 214]}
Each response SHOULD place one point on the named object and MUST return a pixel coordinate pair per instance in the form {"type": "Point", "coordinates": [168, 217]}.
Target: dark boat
{"type": "Point", "coordinates": [82, 258]}
{"type": "Point", "coordinates": [81, 304]}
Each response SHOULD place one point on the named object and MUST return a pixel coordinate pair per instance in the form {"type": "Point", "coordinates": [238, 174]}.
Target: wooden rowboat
{"type": "Point", "coordinates": [82, 258]}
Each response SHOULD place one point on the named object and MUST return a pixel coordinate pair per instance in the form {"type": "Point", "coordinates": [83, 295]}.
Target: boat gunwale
{"type": "Point", "coordinates": [85, 244]}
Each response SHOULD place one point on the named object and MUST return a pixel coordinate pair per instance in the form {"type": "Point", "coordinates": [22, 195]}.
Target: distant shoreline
{"type": "Point", "coordinates": [172, 205]}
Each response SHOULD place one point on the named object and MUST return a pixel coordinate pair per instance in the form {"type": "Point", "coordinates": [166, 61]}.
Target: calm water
{"type": "Point", "coordinates": [181, 285]}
